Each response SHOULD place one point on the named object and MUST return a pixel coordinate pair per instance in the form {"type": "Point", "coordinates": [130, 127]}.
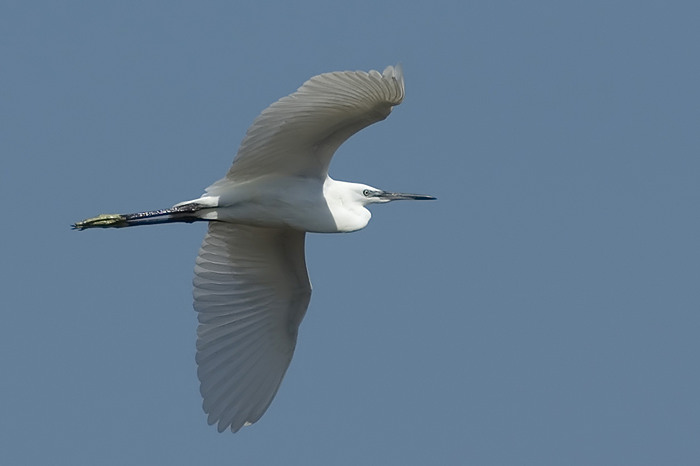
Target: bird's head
{"type": "Point", "coordinates": [348, 202]}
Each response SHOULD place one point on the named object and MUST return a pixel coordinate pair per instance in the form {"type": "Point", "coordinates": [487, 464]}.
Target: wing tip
{"type": "Point", "coordinates": [396, 72]}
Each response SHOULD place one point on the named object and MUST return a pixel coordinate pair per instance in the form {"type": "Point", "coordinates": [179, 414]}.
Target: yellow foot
{"type": "Point", "coordinates": [101, 221]}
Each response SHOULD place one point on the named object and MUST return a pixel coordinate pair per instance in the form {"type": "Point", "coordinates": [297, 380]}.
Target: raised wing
{"type": "Point", "coordinates": [298, 134]}
{"type": "Point", "coordinates": [251, 291]}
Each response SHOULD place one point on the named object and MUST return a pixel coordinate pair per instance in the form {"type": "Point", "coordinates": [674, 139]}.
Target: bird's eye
{"type": "Point", "coordinates": [366, 192]}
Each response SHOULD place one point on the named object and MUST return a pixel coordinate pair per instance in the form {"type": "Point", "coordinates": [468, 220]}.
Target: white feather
{"type": "Point", "coordinates": [298, 134]}
{"type": "Point", "coordinates": [251, 291]}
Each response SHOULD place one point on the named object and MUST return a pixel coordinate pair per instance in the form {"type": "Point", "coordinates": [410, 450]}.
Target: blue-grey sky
{"type": "Point", "coordinates": [544, 311]}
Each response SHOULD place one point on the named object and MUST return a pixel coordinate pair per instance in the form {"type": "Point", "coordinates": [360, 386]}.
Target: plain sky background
{"type": "Point", "coordinates": [544, 311]}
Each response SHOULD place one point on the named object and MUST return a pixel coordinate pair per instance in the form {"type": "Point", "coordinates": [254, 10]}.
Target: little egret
{"type": "Point", "coordinates": [251, 287]}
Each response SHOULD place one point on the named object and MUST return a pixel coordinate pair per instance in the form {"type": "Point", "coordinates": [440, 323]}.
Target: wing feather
{"type": "Point", "coordinates": [251, 291]}
{"type": "Point", "coordinates": [298, 134]}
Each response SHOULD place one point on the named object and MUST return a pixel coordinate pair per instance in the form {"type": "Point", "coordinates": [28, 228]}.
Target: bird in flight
{"type": "Point", "coordinates": [251, 287]}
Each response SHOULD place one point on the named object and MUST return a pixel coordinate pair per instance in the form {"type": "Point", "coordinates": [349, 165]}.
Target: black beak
{"type": "Point", "coordinates": [404, 196]}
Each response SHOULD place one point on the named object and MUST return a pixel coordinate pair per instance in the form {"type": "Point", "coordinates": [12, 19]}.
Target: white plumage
{"type": "Point", "coordinates": [251, 288]}
{"type": "Point", "coordinates": [251, 291]}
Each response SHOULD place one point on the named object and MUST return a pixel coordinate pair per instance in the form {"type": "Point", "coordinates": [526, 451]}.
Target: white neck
{"type": "Point", "coordinates": [346, 204]}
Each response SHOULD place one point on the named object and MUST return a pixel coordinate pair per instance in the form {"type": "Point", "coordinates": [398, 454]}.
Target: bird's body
{"type": "Point", "coordinates": [251, 288]}
{"type": "Point", "coordinates": [306, 204]}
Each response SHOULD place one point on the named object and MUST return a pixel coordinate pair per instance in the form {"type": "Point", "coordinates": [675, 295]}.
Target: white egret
{"type": "Point", "coordinates": [251, 287]}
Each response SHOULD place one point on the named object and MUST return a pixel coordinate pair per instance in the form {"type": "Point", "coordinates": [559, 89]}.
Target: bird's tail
{"type": "Point", "coordinates": [180, 213]}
